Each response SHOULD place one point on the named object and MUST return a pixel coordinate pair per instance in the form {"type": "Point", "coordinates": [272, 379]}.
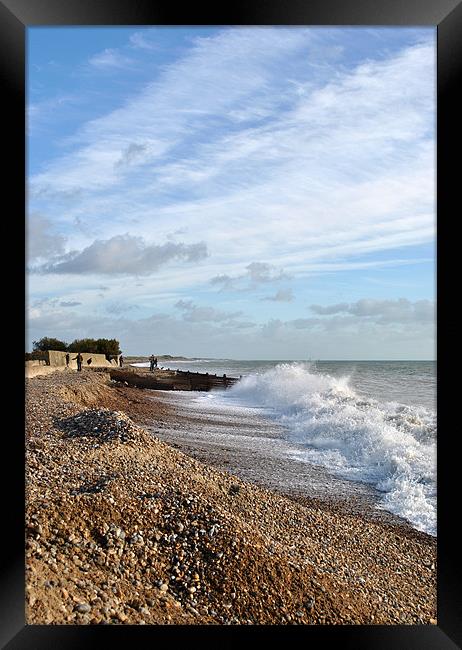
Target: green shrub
{"type": "Point", "coordinates": [109, 347]}
{"type": "Point", "coordinates": [47, 343]}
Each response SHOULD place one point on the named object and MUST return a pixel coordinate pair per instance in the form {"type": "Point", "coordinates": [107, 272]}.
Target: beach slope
{"type": "Point", "coordinates": [123, 528]}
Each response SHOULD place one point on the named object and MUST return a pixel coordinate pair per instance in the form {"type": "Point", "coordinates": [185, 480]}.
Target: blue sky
{"type": "Point", "coordinates": [238, 192]}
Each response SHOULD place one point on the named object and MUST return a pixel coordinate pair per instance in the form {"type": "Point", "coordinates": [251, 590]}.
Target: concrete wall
{"type": "Point", "coordinates": [56, 360]}
{"type": "Point", "coordinates": [97, 360]}
{"type": "Point", "coordinates": [35, 362]}
{"type": "Point", "coordinates": [34, 371]}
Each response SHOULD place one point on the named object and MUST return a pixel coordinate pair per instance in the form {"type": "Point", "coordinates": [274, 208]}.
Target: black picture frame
{"type": "Point", "coordinates": [15, 17]}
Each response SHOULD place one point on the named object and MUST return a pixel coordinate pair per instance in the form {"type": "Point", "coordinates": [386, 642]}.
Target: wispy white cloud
{"type": "Point", "coordinates": [142, 41]}
{"type": "Point", "coordinates": [42, 113]}
{"type": "Point", "coordinates": [280, 171]}
{"type": "Point", "coordinates": [344, 154]}
{"type": "Point", "coordinates": [110, 59]}
{"type": "Point", "coordinates": [132, 153]}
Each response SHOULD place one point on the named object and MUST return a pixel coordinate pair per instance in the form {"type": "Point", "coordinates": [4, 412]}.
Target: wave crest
{"type": "Point", "coordinates": [390, 445]}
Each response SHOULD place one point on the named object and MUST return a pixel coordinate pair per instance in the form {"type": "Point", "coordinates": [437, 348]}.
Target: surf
{"type": "Point", "coordinates": [389, 445]}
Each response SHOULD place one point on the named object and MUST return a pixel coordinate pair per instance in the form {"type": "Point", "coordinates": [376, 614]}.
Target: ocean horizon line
{"type": "Point", "coordinates": [180, 356]}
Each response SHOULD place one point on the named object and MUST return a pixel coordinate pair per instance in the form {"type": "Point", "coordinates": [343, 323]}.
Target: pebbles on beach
{"type": "Point", "coordinates": [122, 528]}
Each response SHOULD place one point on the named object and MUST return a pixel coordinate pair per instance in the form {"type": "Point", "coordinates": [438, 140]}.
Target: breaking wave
{"type": "Point", "coordinates": [387, 444]}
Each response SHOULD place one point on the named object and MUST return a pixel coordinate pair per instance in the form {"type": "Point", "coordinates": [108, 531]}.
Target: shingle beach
{"type": "Point", "coordinates": [124, 528]}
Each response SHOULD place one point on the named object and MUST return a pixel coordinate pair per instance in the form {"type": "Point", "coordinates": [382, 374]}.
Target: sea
{"type": "Point", "coordinates": [370, 422]}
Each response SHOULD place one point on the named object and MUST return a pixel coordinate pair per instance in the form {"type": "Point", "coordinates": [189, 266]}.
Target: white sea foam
{"type": "Point", "coordinates": [387, 444]}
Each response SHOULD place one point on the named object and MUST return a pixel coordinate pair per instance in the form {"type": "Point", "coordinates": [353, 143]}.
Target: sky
{"type": "Point", "coordinates": [233, 192]}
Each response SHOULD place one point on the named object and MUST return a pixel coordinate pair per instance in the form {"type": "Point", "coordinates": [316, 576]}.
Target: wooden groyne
{"type": "Point", "coordinates": [167, 379]}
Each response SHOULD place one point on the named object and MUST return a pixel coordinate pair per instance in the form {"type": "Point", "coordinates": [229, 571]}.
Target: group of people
{"type": "Point", "coordinates": [79, 360]}
{"type": "Point", "coordinates": [152, 362]}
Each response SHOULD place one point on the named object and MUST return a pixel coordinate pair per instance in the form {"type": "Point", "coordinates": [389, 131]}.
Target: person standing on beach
{"type": "Point", "coordinates": [151, 363]}
{"type": "Point", "coordinates": [121, 361]}
{"type": "Point", "coordinates": [67, 359]}
{"type": "Point", "coordinates": [79, 360]}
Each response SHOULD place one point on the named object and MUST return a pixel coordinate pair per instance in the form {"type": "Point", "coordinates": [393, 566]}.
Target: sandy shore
{"type": "Point", "coordinates": [123, 527]}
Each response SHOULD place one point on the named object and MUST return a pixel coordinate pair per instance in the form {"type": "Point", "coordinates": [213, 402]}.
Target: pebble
{"type": "Point", "coordinates": [310, 604]}
{"type": "Point", "coordinates": [199, 551]}
{"type": "Point", "coordinates": [82, 608]}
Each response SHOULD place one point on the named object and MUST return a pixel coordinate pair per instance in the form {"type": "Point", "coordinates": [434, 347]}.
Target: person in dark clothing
{"type": "Point", "coordinates": [151, 363]}
{"type": "Point", "coordinates": [121, 361]}
{"type": "Point", "coordinates": [79, 360]}
{"type": "Point", "coordinates": [155, 362]}
{"type": "Point", "coordinates": [67, 359]}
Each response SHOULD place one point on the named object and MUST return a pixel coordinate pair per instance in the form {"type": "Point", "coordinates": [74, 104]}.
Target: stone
{"type": "Point", "coordinates": [82, 608]}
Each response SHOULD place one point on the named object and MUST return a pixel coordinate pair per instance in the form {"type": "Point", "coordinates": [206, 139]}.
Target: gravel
{"type": "Point", "coordinates": [122, 528]}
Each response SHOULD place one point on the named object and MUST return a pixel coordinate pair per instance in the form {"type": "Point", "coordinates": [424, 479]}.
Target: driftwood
{"type": "Point", "coordinates": [171, 379]}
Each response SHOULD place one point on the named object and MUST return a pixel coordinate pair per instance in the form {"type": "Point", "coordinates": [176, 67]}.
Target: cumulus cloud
{"type": "Point", "coordinates": [263, 272]}
{"type": "Point", "coordinates": [224, 281]}
{"type": "Point", "coordinates": [119, 308]}
{"type": "Point", "coordinates": [195, 313]}
{"type": "Point", "coordinates": [400, 310]}
{"type": "Point", "coordinates": [329, 309]}
{"type": "Point", "coordinates": [256, 273]}
{"type": "Point", "coordinates": [283, 295]}
{"type": "Point", "coordinates": [124, 255]}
